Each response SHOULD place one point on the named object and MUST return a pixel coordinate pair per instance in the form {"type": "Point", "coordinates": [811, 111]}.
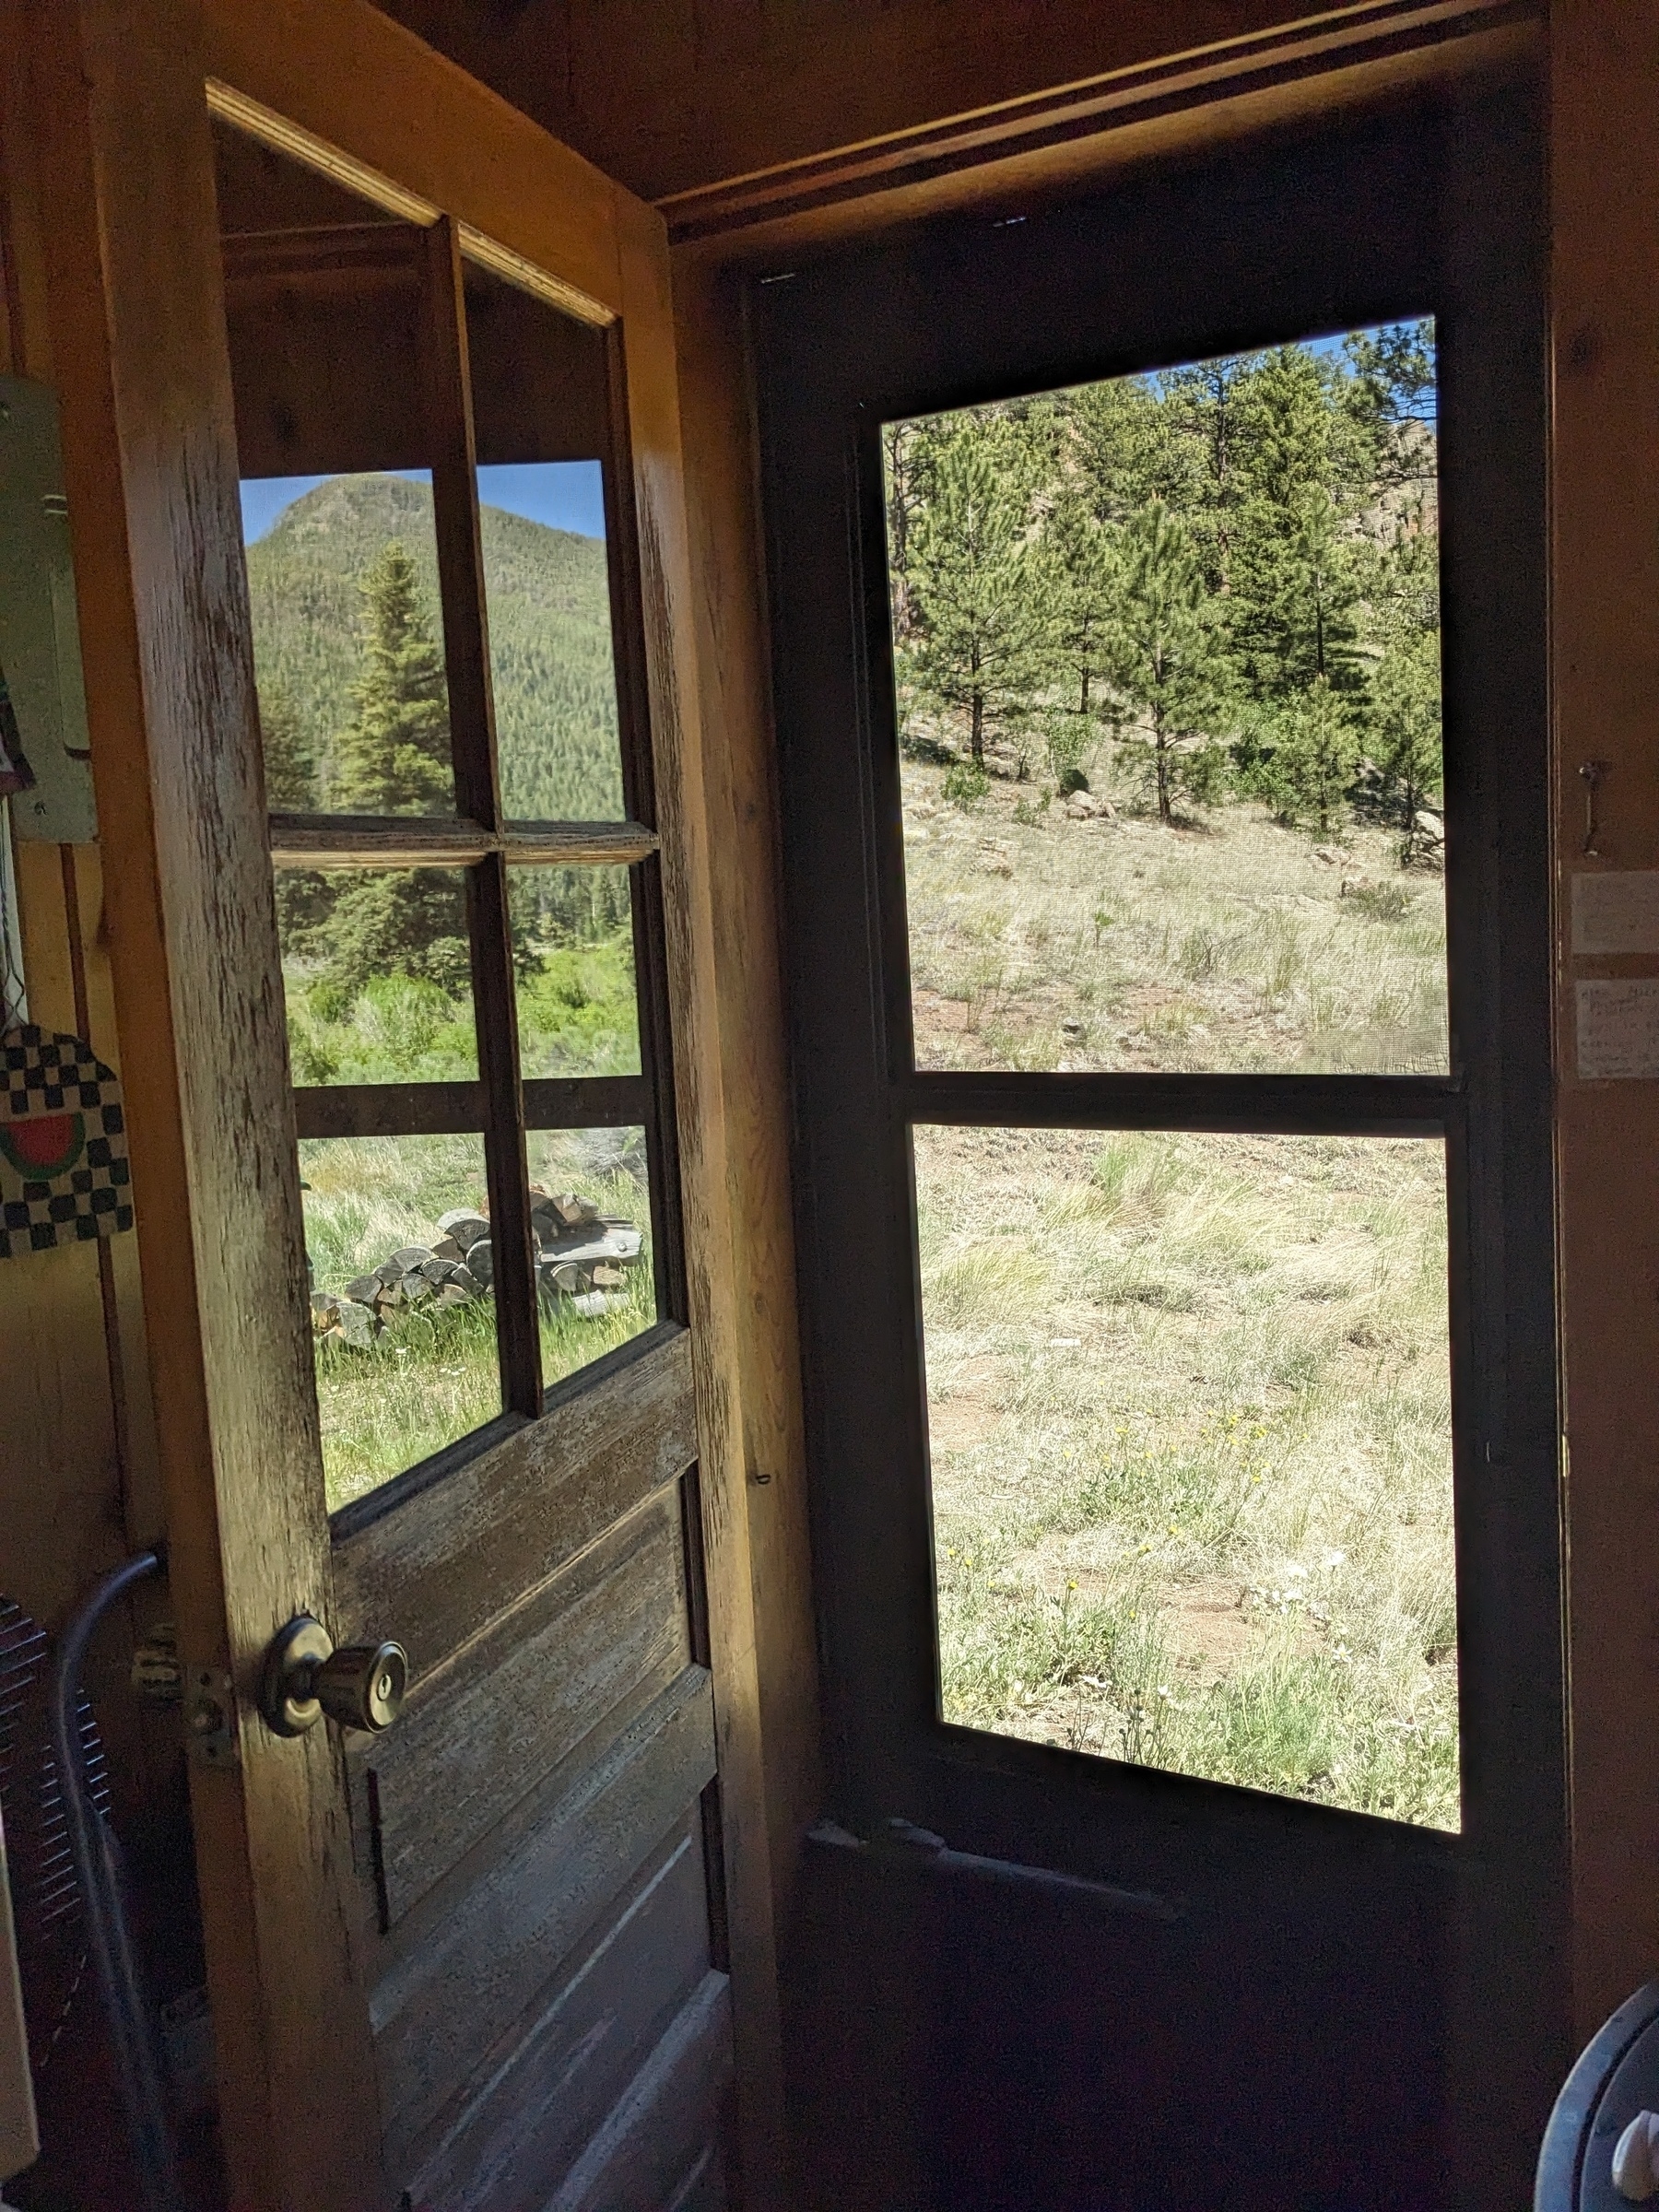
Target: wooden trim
{"type": "Point", "coordinates": [1063, 139]}
{"type": "Point", "coordinates": [363, 840]}
{"type": "Point", "coordinates": [1375, 29]}
{"type": "Point", "coordinates": [151, 474]}
{"type": "Point", "coordinates": [685, 752]}
{"type": "Point", "coordinates": [459, 1110]}
{"type": "Point", "coordinates": [339, 86]}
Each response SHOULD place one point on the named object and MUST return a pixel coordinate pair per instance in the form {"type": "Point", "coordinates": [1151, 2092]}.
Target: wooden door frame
{"type": "Point", "coordinates": [138, 326]}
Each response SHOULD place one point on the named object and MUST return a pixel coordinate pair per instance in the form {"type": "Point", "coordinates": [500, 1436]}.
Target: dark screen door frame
{"type": "Point", "coordinates": [1429, 208]}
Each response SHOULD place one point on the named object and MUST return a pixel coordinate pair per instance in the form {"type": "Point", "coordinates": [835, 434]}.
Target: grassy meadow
{"type": "Point", "coordinates": [1188, 1394]}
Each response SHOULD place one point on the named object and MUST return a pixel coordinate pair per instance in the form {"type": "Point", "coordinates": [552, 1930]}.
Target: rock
{"type": "Point", "coordinates": [1088, 806]}
{"type": "Point", "coordinates": [1325, 857]}
{"type": "Point", "coordinates": [995, 858]}
{"type": "Point", "coordinates": [357, 1324]}
{"type": "Point", "coordinates": [1353, 884]}
{"type": "Point", "coordinates": [465, 1225]}
{"type": "Point", "coordinates": [1072, 1027]}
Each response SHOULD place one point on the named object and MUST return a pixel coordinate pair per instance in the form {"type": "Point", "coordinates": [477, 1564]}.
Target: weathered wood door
{"type": "Point", "coordinates": [477, 1960]}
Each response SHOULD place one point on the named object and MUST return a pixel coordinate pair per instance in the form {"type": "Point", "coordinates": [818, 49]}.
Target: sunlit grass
{"type": "Point", "coordinates": [1228, 943]}
{"type": "Point", "coordinates": [1191, 1449]}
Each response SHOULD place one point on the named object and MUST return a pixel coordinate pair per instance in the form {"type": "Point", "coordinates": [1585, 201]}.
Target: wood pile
{"type": "Point", "coordinates": [583, 1258]}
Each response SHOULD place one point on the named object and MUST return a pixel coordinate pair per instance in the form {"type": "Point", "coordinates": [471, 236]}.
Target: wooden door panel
{"type": "Point", "coordinates": [461, 1552]}
{"type": "Point", "coordinates": [611, 1628]}
{"type": "Point", "coordinates": [471, 1959]}
{"type": "Point", "coordinates": [503, 2143]}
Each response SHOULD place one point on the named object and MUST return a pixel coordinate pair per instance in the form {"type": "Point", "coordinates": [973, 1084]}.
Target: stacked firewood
{"type": "Point", "coordinates": [583, 1258]}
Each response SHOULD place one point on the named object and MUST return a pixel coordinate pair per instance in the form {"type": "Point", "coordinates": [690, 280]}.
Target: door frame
{"type": "Point", "coordinates": [136, 298]}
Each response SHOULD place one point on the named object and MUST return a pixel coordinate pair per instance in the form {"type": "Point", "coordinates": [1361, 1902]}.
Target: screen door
{"type": "Point", "coordinates": [1158, 591]}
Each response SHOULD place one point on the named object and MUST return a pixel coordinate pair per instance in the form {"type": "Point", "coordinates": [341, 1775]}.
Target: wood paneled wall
{"type": "Point", "coordinates": [78, 1482]}
{"type": "Point", "coordinates": [665, 95]}
{"type": "Point", "coordinates": [1604, 307]}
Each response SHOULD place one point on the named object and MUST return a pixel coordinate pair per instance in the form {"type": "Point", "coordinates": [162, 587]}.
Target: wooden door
{"type": "Point", "coordinates": [436, 1284]}
{"type": "Point", "coordinates": [1127, 1821]}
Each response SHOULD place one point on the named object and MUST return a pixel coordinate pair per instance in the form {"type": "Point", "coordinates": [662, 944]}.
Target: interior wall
{"type": "Point", "coordinates": [1605, 66]}
{"type": "Point", "coordinates": [665, 95]}
{"type": "Point", "coordinates": [79, 1487]}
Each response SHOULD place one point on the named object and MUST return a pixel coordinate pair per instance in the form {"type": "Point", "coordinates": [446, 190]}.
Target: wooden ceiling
{"type": "Point", "coordinates": [670, 95]}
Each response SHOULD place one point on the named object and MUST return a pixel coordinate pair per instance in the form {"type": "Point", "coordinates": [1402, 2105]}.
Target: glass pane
{"type": "Point", "coordinates": [1167, 650]}
{"type": "Point", "coordinates": [573, 937]}
{"type": "Point", "coordinates": [376, 975]}
{"type": "Point", "coordinates": [323, 315]}
{"type": "Point", "coordinates": [1190, 1425]}
{"type": "Point", "coordinates": [403, 1323]}
{"type": "Point", "coordinates": [540, 401]}
{"type": "Point", "coordinates": [591, 1212]}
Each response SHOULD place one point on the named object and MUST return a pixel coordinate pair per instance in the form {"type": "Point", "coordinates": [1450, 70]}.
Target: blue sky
{"type": "Point", "coordinates": [567, 495]}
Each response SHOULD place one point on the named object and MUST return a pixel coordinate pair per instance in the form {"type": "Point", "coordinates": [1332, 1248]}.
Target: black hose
{"type": "Point", "coordinates": [109, 1940]}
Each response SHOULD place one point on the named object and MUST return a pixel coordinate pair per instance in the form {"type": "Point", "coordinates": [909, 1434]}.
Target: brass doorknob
{"type": "Point", "coordinates": [360, 1686]}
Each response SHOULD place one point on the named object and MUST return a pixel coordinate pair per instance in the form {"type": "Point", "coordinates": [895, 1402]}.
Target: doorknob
{"type": "Point", "coordinates": [360, 1686]}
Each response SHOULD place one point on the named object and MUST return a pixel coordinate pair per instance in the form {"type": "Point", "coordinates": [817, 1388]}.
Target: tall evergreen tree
{"type": "Point", "coordinates": [1166, 660]}
{"type": "Point", "coordinates": [1083, 597]}
{"type": "Point", "coordinates": [1308, 769]}
{"type": "Point", "coordinates": [290, 764]}
{"type": "Point", "coordinates": [983, 591]}
{"type": "Point", "coordinates": [1294, 585]}
{"type": "Point", "coordinates": [394, 757]}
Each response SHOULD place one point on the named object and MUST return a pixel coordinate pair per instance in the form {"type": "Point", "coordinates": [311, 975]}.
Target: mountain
{"type": "Point", "coordinates": [550, 635]}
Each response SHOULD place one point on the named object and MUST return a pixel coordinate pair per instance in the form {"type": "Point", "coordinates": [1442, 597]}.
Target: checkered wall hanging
{"type": "Point", "coordinates": [63, 1175]}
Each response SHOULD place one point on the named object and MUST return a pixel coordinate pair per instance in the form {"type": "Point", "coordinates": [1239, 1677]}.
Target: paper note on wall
{"type": "Point", "coordinates": [1616, 909]}
{"type": "Point", "coordinates": [1619, 1027]}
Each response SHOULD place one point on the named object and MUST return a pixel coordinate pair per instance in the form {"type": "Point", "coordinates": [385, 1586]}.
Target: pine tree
{"type": "Point", "coordinates": [1294, 590]}
{"type": "Point", "coordinates": [1406, 730]}
{"type": "Point", "coordinates": [291, 763]}
{"type": "Point", "coordinates": [1315, 750]}
{"type": "Point", "coordinates": [1165, 659]}
{"type": "Point", "coordinates": [394, 757]}
{"type": "Point", "coordinates": [982, 588]}
{"type": "Point", "coordinates": [1083, 596]}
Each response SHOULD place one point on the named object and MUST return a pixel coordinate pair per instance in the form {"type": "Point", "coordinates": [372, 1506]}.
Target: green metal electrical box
{"type": "Point", "coordinates": [40, 634]}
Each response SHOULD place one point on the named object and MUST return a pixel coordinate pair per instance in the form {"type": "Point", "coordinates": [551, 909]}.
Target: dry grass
{"type": "Point", "coordinates": [1188, 1396]}
{"type": "Point", "coordinates": [1040, 942]}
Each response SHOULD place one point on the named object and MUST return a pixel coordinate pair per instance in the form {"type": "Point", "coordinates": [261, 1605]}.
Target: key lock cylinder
{"type": "Point", "coordinates": [360, 1686]}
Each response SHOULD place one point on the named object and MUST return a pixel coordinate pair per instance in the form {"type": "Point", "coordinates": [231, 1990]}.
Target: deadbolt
{"type": "Point", "coordinates": [360, 1686]}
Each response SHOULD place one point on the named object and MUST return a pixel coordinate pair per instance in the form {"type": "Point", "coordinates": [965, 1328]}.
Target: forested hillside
{"type": "Point", "coordinates": [550, 625]}
{"type": "Point", "coordinates": [1228, 574]}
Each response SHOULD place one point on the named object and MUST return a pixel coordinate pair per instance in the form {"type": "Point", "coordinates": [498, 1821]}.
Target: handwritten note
{"type": "Point", "coordinates": [1616, 909]}
{"type": "Point", "coordinates": [1618, 1029]}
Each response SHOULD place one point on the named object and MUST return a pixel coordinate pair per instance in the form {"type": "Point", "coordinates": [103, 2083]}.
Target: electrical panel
{"type": "Point", "coordinates": [42, 696]}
